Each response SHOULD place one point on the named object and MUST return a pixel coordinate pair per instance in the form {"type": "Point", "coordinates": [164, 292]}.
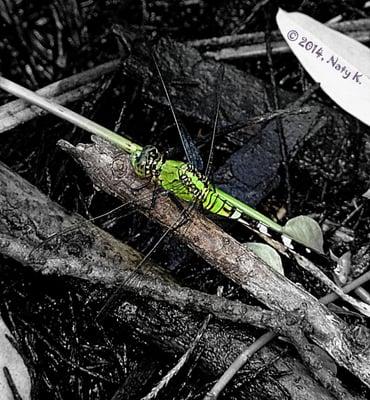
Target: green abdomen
{"type": "Point", "coordinates": [191, 186]}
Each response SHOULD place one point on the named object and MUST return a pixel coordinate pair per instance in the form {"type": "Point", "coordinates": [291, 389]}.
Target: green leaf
{"type": "Point", "coordinates": [305, 230]}
{"type": "Point", "coordinates": [267, 254]}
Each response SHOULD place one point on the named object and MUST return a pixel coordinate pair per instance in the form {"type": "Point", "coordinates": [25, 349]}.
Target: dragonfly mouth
{"type": "Point", "coordinates": [147, 162]}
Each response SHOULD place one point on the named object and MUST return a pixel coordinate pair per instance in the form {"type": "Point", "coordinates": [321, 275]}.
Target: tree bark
{"type": "Point", "coordinates": [27, 217]}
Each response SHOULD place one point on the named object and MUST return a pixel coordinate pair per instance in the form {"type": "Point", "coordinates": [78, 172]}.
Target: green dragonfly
{"type": "Point", "coordinates": [187, 183]}
{"type": "Point", "coordinates": [182, 179]}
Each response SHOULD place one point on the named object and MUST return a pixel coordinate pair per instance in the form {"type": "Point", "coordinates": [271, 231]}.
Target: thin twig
{"type": "Point", "coordinates": [17, 118]}
{"type": "Point", "coordinates": [176, 369]}
{"type": "Point", "coordinates": [250, 16]}
{"type": "Point", "coordinates": [12, 385]}
{"type": "Point", "coordinates": [65, 91]}
{"type": "Point", "coordinates": [234, 47]}
{"type": "Point", "coordinates": [262, 341]}
{"type": "Point", "coordinates": [238, 363]}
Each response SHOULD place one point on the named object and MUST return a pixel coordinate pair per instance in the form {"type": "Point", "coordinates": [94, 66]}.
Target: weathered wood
{"type": "Point", "coordinates": [247, 45]}
{"type": "Point", "coordinates": [111, 171]}
{"type": "Point", "coordinates": [65, 91]}
{"type": "Point", "coordinates": [217, 346]}
{"type": "Point", "coordinates": [27, 217]}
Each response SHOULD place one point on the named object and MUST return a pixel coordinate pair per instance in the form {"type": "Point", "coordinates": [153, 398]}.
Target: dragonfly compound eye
{"type": "Point", "coordinates": [147, 162]}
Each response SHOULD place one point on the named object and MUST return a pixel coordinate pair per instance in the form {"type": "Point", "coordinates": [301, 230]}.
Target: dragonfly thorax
{"type": "Point", "coordinates": [147, 162]}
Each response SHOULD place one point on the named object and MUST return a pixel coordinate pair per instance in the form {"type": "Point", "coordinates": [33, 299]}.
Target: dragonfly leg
{"type": "Point", "coordinates": [156, 193]}
{"type": "Point", "coordinates": [185, 212]}
{"type": "Point", "coordinates": [142, 186]}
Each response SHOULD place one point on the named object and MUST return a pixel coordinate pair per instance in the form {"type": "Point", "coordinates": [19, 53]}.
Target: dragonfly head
{"type": "Point", "coordinates": [147, 162]}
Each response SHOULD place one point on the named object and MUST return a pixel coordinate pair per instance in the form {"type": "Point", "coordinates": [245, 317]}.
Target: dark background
{"type": "Point", "coordinates": [44, 41]}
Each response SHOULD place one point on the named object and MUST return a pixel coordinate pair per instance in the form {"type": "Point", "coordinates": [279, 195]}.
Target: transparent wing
{"type": "Point", "coordinates": [191, 150]}
{"type": "Point", "coordinates": [216, 113]}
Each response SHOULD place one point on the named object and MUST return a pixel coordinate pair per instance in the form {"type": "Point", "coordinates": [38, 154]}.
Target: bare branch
{"type": "Point", "coordinates": [111, 171]}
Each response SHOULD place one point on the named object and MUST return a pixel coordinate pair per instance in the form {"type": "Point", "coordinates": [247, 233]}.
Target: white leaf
{"type": "Point", "coordinates": [10, 358]}
{"type": "Point", "coordinates": [340, 64]}
{"type": "Point", "coordinates": [367, 194]}
{"type": "Point", "coordinates": [343, 268]}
